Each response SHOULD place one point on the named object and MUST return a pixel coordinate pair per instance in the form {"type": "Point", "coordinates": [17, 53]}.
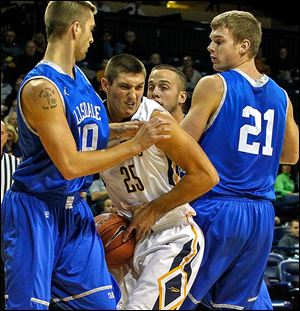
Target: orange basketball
{"type": "Point", "coordinates": [111, 228]}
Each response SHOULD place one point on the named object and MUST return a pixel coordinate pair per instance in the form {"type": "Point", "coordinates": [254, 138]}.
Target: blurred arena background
{"type": "Point", "coordinates": [177, 33]}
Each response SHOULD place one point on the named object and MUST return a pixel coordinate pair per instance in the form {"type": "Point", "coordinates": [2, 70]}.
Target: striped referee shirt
{"type": "Point", "coordinates": [9, 164]}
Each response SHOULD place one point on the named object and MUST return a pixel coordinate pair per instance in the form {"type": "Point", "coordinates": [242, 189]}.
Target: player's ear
{"type": "Point", "coordinates": [182, 97]}
{"type": "Point", "coordinates": [105, 84]}
{"type": "Point", "coordinates": [245, 46]}
{"type": "Point", "coordinates": [75, 27]}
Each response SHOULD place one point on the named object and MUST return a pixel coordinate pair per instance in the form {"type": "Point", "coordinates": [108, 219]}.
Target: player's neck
{"type": "Point", "coordinates": [178, 115]}
{"type": "Point", "coordinates": [248, 67]}
{"type": "Point", "coordinates": [114, 116]}
{"type": "Point", "coordinates": [60, 55]}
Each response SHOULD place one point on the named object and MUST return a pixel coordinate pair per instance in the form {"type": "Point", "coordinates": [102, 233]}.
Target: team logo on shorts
{"type": "Point", "coordinates": [172, 289]}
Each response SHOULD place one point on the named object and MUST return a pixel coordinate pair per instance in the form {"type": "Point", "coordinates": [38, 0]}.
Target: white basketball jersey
{"type": "Point", "coordinates": [145, 177]}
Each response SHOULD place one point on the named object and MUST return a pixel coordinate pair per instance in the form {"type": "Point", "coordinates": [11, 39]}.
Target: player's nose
{"type": "Point", "coordinates": [155, 93]}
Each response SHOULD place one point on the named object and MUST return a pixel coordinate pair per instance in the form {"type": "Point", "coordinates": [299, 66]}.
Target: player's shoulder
{"type": "Point", "coordinates": [163, 114]}
{"type": "Point", "coordinates": [211, 81]}
{"type": "Point", "coordinates": [209, 86]}
{"type": "Point", "coordinates": [38, 82]}
{"type": "Point", "coordinates": [150, 103]}
{"type": "Point", "coordinates": [149, 109]}
{"type": "Point", "coordinates": [156, 108]}
{"type": "Point", "coordinates": [36, 86]}
{"type": "Point", "coordinates": [160, 112]}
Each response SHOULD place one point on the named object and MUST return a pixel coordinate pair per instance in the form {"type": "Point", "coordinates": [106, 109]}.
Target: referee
{"type": "Point", "coordinates": [9, 164]}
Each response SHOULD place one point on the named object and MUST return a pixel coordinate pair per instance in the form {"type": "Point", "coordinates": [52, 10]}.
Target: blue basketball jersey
{"type": "Point", "coordinates": [244, 138]}
{"type": "Point", "coordinates": [88, 122]}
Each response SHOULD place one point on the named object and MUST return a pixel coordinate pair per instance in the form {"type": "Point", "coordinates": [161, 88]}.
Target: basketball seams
{"type": "Point", "coordinates": [111, 229]}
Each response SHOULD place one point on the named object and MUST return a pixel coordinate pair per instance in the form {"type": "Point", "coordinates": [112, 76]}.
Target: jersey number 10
{"type": "Point", "coordinates": [255, 130]}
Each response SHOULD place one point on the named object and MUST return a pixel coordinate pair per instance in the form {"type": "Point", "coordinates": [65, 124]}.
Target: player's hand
{"type": "Point", "coordinates": [143, 219]}
{"type": "Point", "coordinates": [152, 131]}
{"type": "Point", "coordinates": [125, 129]}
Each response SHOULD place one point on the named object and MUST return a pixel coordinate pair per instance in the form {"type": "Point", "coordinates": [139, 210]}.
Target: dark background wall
{"type": "Point", "coordinates": [169, 34]}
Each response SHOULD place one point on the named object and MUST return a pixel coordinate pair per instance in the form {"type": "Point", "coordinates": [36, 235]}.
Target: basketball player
{"type": "Point", "coordinates": [244, 122]}
{"type": "Point", "coordinates": [167, 86]}
{"type": "Point", "coordinates": [169, 251]}
{"type": "Point", "coordinates": [49, 242]}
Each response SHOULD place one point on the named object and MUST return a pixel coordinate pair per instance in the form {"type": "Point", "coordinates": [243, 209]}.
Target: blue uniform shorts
{"type": "Point", "coordinates": [52, 251]}
{"type": "Point", "coordinates": [238, 237]}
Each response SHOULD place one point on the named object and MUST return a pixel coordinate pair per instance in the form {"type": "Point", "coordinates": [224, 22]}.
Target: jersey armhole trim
{"type": "Point", "coordinates": [287, 103]}
{"type": "Point", "coordinates": [220, 105]}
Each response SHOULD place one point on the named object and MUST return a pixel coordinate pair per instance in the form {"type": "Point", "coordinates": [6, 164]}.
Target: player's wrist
{"type": "Point", "coordinates": [136, 146]}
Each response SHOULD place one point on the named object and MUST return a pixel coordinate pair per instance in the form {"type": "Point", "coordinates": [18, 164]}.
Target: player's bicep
{"type": "Point", "coordinates": [290, 148]}
{"type": "Point", "coordinates": [205, 100]}
{"type": "Point", "coordinates": [44, 110]}
{"type": "Point", "coordinates": [183, 150]}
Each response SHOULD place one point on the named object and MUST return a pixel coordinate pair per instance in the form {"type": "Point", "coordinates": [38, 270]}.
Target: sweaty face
{"type": "Point", "coordinates": [163, 88]}
{"type": "Point", "coordinates": [85, 38]}
{"type": "Point", "coordinates": [125, 94]}
{"type": "Point", "coordinates": [223, 51]}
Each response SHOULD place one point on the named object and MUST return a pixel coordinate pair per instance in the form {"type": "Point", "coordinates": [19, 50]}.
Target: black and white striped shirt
{"type": "Point", "coordinates": [9, 164]}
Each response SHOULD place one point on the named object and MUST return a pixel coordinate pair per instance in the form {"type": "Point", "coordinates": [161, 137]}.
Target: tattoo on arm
{"type": "Point", "coordinates": [48, 94]}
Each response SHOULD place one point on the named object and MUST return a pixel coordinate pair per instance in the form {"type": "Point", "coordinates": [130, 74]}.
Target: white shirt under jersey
{"type": "Point", "coordinates": [145, 177]}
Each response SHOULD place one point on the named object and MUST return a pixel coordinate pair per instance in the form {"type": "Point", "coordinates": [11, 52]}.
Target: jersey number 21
{"type": "Point", "coordinates": [255, 130]}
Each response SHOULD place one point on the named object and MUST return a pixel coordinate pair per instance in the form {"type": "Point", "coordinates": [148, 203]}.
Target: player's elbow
{"type": "Point", "coordinates": [68, 173]}
{"type": "Point", "coordinates": [213, 177]}
{"type": "Point", "coordinates": [69, 176]}
{"type": "Point", "coordinates": [208, 179]}
{"type": "Point", "coordinates": [216, 179]}
{"type": "Point", "coordinates": [68, 169]}
{"type": "Point", "coordinates": [295, 158]}
{"type": "Point", "coordinates": [290, 155]}
{"type": "Point", "coordinates": [291, 158]}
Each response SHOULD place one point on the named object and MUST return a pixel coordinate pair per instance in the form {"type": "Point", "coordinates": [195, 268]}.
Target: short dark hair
{"type": "Point", "coordinates": [181, 76]}
{"type": "Point", "coordinates": [123, 63]}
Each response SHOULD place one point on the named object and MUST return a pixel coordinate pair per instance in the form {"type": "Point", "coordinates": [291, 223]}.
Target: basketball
{"type": "Point", "coordinates": [111, 228]}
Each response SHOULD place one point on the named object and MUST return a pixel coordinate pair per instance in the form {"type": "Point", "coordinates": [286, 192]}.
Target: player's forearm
{"type": "Point", "coordinates": [189, 188]}
{"type": "Point", "coordinates": [124, 129]}
{"type": "Point", "coordinates": [91, 162]}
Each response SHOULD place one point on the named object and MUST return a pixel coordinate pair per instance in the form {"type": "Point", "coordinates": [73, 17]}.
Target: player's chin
{"type": "Point", "coordinates": [130, 111]}
{"type": "Point", "coordinates": [161, 103]}
{"type": "Point", "coordinates": [218, 67]}
{"type": "Point", "coordinates": [81, 56]}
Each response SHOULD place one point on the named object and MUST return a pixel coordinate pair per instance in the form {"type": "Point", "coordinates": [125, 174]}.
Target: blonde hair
{"type": "Point", "coordinates": [59, 15]}
{"type": "Point", "coordinates": [243, 25]}
{"type": "Point", "coordinates": [10, 128]}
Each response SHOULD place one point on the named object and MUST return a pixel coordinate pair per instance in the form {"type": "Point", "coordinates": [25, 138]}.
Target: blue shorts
{"type": "Point", "coordinates": [53, 252]}
{"type": "Point", "coordinates": [238, 238]}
